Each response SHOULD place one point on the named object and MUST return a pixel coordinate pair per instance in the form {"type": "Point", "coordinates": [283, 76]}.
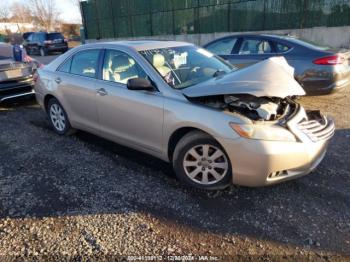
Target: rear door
{"type": "Point", "coordinates": [77, 83]}
{"type": "Point", "coordinates": [251, 50]}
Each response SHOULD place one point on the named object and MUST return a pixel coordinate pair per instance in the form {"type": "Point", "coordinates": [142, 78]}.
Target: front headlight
{"type": "Point", "coordinates": [263, 132]}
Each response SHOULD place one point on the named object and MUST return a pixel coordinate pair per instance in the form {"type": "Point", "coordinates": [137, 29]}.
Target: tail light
{"type": "Point", "coordinates": [330, 60]}
{"type": "Point", "coordinates": [47, 42]}
{"type": "Point", "coordinates": [66, 40]}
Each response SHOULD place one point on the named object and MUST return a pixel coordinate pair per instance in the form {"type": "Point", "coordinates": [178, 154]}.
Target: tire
{"type": "Point", "coordinates": [43, 51]}
{"type": "Point", "coordinates": [58, 118]}
{"type": "Point", "coordinates": [197, 169]}
{"type": "Point", "coordinates": [28, 51]}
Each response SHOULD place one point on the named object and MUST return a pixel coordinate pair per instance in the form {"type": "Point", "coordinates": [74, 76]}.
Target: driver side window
{"type": "Point", "coordinates": [119, 67]}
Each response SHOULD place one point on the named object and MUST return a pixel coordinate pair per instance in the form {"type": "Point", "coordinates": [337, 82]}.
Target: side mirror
{"type": "Point", "coordinates": [140, 84]}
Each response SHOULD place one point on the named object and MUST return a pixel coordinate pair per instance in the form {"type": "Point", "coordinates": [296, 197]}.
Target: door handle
{"type": "Point", "coordinates": [58, 80]}
{"type": "Point", "coordinates": [102, 92]}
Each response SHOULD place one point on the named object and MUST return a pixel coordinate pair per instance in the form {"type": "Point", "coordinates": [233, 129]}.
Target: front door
{"type": "Point", "coordinates": [126, 116]}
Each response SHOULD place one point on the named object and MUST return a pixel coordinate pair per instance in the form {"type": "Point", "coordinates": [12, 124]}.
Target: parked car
{"type": "Point", "coordinates": [43, 43]}
{"type": "Point", "coordinates": [184, 105]}
{"type": "Point", "coordinates": [26, 35]}
{"type": "Point", "coordinates": [320, 70]}
{"type": "Point", "coordinates": [16, 77]}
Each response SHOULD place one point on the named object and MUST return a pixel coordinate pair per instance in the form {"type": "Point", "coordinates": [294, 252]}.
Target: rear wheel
{"type": "Point", "coordinates": [58, 118]}
{"type": "Point", "coordinates": [201, 162]}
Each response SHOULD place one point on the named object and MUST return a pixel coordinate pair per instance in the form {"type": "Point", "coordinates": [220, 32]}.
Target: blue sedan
{"type": "Point", "coordinates": [320, 70]}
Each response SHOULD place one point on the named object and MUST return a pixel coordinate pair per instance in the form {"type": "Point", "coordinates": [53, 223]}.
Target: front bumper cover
{"type": "Point", "coordinates": [261, 162]}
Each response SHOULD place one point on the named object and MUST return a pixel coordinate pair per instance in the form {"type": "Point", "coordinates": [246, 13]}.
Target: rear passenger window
{"type": "Point", "coordinates": [85, 63]}
{"type": "Point", "coordinates": [282, 48]}
{"type": "Point", "coordinates": [65, 67]}
{"type": "Point", "coordinates": [222, 47]}
{"type": "Point", "coordinates": [255, 47]}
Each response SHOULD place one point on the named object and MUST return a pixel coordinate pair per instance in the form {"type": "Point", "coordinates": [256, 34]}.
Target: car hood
{"type": "Point", "coordinates": [271, 78]}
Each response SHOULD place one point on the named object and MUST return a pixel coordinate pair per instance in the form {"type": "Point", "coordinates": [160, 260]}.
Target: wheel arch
{"type": "Point", "coordinates": [47, 99]}
{"type": "Point", "coordinates": [178, 134]}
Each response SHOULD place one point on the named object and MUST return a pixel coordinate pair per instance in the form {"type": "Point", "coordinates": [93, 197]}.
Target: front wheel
{"type": "Point", "coordinates": [58, 118]}
{"type": "Point", "coordinates": [201, 162]}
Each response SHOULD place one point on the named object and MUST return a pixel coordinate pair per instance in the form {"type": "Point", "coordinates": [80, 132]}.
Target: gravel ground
{"type": "Point", "coordinates": [84, 196]}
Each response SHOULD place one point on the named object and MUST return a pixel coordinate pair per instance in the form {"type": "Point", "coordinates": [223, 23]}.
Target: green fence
{"type": "Point", "coordinates": [128, 18]}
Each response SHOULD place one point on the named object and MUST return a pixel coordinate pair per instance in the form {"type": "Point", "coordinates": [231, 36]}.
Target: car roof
{"type": "Point", "coordinates": [140, 45]}
{"type": "Point", "coordinates": [272, 36]}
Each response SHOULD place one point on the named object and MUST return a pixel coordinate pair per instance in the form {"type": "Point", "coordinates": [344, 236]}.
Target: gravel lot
{"type": "Point", "coordinates": [84, 196]}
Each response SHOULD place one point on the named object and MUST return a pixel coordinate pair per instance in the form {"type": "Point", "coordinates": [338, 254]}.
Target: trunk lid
{"type": "Point", "coordinates": [11, 70]}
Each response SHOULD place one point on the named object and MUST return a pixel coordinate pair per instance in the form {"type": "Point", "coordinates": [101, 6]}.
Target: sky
{"type": "Point", "coordinates": [69, 11]}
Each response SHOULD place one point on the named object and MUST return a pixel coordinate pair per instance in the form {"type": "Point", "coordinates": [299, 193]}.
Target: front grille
{"type": "Point", "coordinates": [317, 127]}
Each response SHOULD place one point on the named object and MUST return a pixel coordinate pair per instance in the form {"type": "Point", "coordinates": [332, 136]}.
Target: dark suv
{"type": "Point", "coordinates": [42, 43]}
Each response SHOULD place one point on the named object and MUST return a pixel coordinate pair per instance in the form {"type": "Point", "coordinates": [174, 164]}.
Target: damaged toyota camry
{"type": "Point", "coordinates": [216, 125]}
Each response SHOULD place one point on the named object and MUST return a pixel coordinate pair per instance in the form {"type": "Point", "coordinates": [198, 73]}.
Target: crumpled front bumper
{"type": "Point", "coordinates": [260, 162]}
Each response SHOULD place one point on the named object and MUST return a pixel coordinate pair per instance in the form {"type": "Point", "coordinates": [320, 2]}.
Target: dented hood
{"type": "Point", "coordinates": [272, 77]}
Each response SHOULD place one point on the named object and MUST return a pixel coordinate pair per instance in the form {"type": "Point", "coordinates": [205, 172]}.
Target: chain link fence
{"type": "Point", "coordinates": [130, 18]}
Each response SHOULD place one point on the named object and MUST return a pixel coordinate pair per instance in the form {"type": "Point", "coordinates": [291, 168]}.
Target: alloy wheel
{"type": "Point", "coordinates": [205, 164]}
{"type": "Point", "coordinates": [58, 118]}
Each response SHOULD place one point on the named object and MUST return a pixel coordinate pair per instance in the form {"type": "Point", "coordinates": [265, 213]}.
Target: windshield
{"type": "Point", "coordinates": [185, 66]}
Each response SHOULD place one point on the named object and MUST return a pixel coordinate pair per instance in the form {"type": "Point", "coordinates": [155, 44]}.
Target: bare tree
{"type": "Point", "coordinates": [45, 13]}
{"type": "Point", "coordinates": [4, 13]}
{"type": "Point", "coordinates": [21, 13]}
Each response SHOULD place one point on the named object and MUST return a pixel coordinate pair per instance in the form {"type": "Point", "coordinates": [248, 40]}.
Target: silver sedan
{"type": "Point", "coordinates": [180, 103]}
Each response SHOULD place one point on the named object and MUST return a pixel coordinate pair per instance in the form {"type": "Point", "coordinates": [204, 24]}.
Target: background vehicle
{"type": "Point", "coordinates": [186, 106]}
{"type": "Point", "coordinates": [320, 70]}
{"type": "Point", "coordinates": [26, 35]}
{"type": "Point", "coordinates": [43, 43]}
{"type": "Point", "coordinates": [16, 78]}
